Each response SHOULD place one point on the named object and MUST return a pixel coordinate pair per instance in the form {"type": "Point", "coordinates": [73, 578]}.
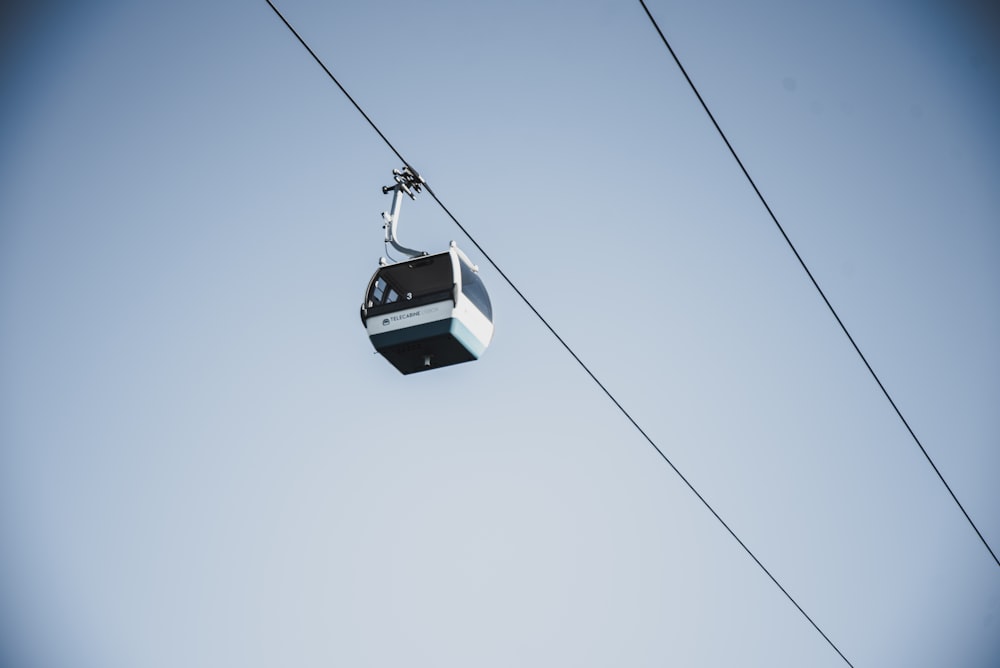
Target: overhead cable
{"type": "Point", "coordinates": [812, 278]}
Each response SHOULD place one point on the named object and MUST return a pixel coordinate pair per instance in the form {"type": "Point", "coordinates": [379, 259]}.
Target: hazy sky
{"type": "Point", "coordinates": [202, 462]}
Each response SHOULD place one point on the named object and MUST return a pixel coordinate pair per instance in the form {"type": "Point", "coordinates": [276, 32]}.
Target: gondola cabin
{"type": "Point", "coordinates": [428, 312]}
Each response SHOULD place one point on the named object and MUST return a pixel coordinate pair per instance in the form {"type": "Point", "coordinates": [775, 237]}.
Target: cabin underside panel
{"type": "Point", "coordinates": [429, 346]}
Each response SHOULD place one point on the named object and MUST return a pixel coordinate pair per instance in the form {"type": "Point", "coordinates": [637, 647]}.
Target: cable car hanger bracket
{"type": "Point", "coordinates": [408, 181]}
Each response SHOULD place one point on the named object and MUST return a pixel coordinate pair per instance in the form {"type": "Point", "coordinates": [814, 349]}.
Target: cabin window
{"type": "Point", "coordinates": [474, 289]}
{"type": "Point", "coordinates": [412, 282]}
{"type": "Point", "coordinates": [383, 293]}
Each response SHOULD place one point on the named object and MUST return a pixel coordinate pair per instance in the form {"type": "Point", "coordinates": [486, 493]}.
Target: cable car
{"type": "Point", "coordinates": [427, 311]}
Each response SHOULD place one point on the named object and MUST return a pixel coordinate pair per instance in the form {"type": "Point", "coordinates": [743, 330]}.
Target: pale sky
{"type": "Point", "coordinates": [203, 463]}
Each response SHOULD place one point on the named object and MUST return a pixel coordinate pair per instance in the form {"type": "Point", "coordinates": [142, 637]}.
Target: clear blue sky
{"type": "Point", "coordinates": [202, 463]}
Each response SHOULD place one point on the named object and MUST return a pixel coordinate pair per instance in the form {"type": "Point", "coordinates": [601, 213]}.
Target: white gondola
{"type": "Point", "coordinates": [427, 311]}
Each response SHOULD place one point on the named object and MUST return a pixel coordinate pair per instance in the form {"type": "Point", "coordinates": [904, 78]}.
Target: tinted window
{"type": "Point", "coordinates": [421, 276]}
{"type": "Point", "coordinates": [474, 289]}
{"type": "Point", "coordinates": [411, 283]}
{"type": "Point", "coordinates": [379, 291]}
{"type": "Point", "coordinates": [382, 293]}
